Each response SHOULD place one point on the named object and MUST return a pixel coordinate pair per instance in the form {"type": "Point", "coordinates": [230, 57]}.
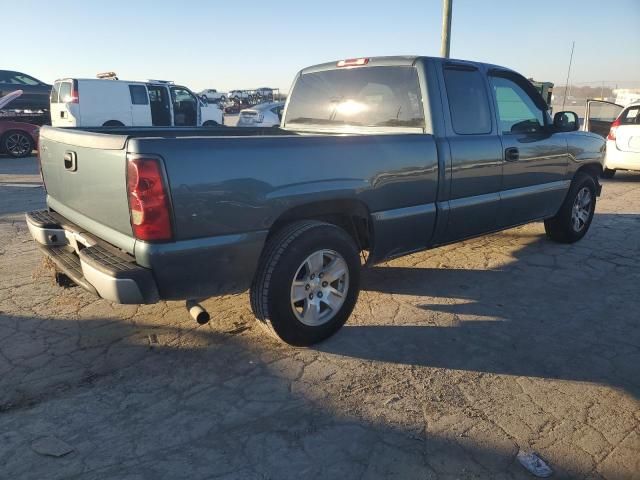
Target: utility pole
{"type": "Point", "coordinates": [568, 73]}
{"type": "Point", "coordinates": [446, 28]}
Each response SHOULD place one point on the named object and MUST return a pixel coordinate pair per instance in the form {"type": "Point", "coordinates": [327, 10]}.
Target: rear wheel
{"type": "Point", "coordinates": [113, 123]}
{"type": "Point", "coordinates": [17, 144]}
{"type": "Point", "coordinates": [576, 213]}
{"type": "Point", "coordinates": [608, 173]}
{"type": "Point", "coordinates": [307, 283]}
{"type": "Point", "coordinates": [210, 123]}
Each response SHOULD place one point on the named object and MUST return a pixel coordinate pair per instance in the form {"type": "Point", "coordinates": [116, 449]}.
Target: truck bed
{"type": "Point", "coordinates": [229, 186]}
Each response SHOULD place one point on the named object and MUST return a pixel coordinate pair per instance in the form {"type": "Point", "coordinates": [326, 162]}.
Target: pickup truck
{"type": "Point", "coordinates": [375, 158]}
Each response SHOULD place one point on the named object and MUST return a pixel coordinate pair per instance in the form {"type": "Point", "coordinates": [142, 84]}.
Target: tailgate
{"type": "Point", "coordinates": [85, 178]}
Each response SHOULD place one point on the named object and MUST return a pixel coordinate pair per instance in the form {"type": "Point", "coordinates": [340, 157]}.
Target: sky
{"type": "Point", "coordinates": [249, 44]}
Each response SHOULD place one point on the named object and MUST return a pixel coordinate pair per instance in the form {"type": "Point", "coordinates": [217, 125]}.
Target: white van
{"type": "Point", "coordinates": [80, 102]}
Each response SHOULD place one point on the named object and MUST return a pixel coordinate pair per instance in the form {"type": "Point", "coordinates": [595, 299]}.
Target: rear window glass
{"type": "Point", "coordinates": [364, 97]}
{"type": "Point", "coordinates": [468, 101]}
{"type": "Point", "coordinates": [631, 116]}
{"type": "Point", "coordinates": [55, 92]}
{"type": "Point", "coordinates": [65, 92]}
{"type": "Point", "coordinates": [138, 95]}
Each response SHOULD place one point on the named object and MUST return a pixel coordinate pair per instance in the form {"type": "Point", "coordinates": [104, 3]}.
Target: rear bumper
{"type": "Point", "coordinates": [180, 270]}
{"type": "Point", "coordinates": [94, 265]}
{"type": "Point", "coordinates": [620, 160]}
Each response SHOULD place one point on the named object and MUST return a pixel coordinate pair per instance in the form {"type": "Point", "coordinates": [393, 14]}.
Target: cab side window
{"type": "Point", "coordinates": [517, 111]}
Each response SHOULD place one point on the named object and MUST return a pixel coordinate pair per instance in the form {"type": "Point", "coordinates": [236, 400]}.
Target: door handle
{"type": "Point", "coordinates": [511, 154]}
{"type": "Point", "coordinates": [70, 161]}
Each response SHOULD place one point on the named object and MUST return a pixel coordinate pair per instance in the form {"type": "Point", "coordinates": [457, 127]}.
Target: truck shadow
{"type": "Point", "coordinates": [557, 312]}
{"type": "Point", "coordinates": [225, 400]}
{"type": "Point", "coordinates": [202, 403]}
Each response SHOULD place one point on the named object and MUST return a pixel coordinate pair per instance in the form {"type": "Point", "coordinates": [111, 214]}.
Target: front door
{"type": "Point", "coordinates": [535, 159]}
{"type": "Point", "coordinates": [600, 115]}
{"type": "Point", "coordinates": [185, 107]}
{"type": "Point", "coordinates": [160, 106]}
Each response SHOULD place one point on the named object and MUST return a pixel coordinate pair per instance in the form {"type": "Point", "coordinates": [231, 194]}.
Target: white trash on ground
{"type": "Point", "coordinates": [534, 464]}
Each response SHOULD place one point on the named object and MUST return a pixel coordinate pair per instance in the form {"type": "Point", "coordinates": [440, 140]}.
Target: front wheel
{"type": "Point", "coordinates": [307, 283]}
{"type": "Point", "coordinates": [210, 123]}
{"type": "Point", "coordinates": [576, 213]}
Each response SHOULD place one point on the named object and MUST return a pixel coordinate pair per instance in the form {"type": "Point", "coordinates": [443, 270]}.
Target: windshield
{"type": "Point", "coordinates": [362, 97]}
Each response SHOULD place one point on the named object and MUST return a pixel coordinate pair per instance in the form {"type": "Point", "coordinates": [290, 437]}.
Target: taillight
{"type": "Point", "coordinates": [353, 62]}
{"type": "Point", "coordinates": [75, 96]}
{"type": "Point", "coordinates": [612, 130]}
{"type": "Point", "coordinates": [148, 200]}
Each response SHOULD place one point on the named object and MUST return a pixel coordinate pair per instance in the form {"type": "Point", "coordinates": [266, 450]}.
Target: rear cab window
{"type": "Point", "coordinates": [366, 98]}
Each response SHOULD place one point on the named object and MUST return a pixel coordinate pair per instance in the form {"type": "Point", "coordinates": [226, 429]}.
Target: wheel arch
{"type": "Point", "coordinates": [594, 170]}
{"type": "Point", "coordinates": [113, 123]}
{"type": "Point", "coordinates": [349, 214]}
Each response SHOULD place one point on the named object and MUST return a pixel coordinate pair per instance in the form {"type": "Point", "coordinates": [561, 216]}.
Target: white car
{"type": "Point", "coordinates": [263, 115]}
{"type": "Point", "coordinates": [213, 95]}
{"type": "Point", "coordinates": [238, 94]}
{"type": "Point", "coordinates": [623, 142]}
{"type": "Point", "coordinates": [80, 102]}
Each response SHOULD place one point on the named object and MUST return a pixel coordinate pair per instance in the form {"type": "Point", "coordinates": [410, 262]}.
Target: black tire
{"type": "Point", "coordinates": [113, 123]}
{"type": "Point", "coordinates": [283, 256]}
{"type": "Point", "coordinates": [563, 228]}
{"type": "Point", "coordinates": [210, 123]}
{"type": "Point", "coordinates": [17, 144]}
{"type": "Point", "coordinates": [608, 173]}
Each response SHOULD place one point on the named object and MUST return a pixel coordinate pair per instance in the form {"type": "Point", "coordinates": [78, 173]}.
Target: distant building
{"type": "Point", "coordinates": [625, 96]}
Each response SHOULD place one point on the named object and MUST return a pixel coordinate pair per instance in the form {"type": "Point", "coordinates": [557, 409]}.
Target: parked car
{"type": "Point", "coordinates": [18, 139]}
{"type": "Point", "coordinates": [35, 94]}
{"type": "Point", "coordinates": [238, 95]}
{"type": "Point", "coordinates": [235, 106]}
{"type": "Point", "coordinates": [213, 95]}
{"type": "Point", "coordinates": [91, 102]}
{"type": "Point", "coordinates": [383, 156]}
{"type": "Point", "coordinates": [621, 126]}
{"type": "Point", "coordinates": [263, 115]}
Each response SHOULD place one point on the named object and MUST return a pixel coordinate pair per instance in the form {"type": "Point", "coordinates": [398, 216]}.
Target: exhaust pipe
{"type": "Point", "coordinates": [198, 313]}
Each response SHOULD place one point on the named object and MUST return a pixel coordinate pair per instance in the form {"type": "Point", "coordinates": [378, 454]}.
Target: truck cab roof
{"type": "Point", "coordinates": [398, 60]}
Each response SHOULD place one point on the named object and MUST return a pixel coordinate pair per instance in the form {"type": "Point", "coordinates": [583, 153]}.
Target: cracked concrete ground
{"type": "Point", "coordinates": [453, 360]}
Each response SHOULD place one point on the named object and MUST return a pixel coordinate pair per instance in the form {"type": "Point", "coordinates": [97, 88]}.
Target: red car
{"type": "Point", "coordinates": [18, 139]}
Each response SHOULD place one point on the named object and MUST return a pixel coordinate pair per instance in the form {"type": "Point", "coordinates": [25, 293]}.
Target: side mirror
{"type": "Point", "coordinates": [566, 121]}
{"type": "Point", "coordinates": [204, 99]}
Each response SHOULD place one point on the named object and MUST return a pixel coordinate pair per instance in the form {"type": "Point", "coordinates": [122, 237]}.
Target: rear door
{"type": "Point", "coordinates": [140, 111]}
{"type": "Point", "coordinates": [535, 158]}
{"type": "Point", "coordinates": [476, 153]}
{"type": "Point", "coordinates": [64, 111]}
{"type": "Point", "coordinates": [600, 115]}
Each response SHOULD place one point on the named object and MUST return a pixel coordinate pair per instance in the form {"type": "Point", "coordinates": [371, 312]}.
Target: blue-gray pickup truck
{"type": "Point", "coordinates": [375, 158]}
